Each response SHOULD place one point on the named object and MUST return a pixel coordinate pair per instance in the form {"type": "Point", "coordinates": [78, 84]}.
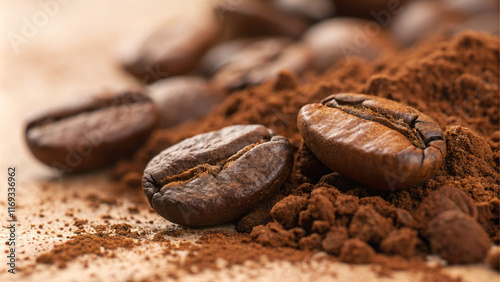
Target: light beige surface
{"type": "Point", "coordinates": [70, 49]}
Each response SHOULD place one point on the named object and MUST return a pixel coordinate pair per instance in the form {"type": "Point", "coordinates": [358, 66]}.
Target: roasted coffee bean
{"type": "Point", "coordinates": [481, 23]}
{"type": "Point", "coordinates": [91, 132]}
{"type": "Point", "coordinates": [262, 61]}
{"type": "Point", "coordinates": [421, 19]}
{"type": "Point", "coordinates": [312, 9]}
{"type": "Point", "coordinates": [457, 238]}
{"type": "Point", "coordinates": [216, 177]}
{"type": "Point", "coordinates": [444, 199]}
{"type": "Point", "coordinates": [373, 9]}
{"type": "Point", "coordinates": [338, 38]}
{"type": "Point", "coordinates": [173, 49]}
{"type": "Point", "coordinates": [470, 8]}
{"type": "Point", "coordinates": [373, 140]}
{"type": "Point", "coordinates": [247, 18]}
{"type": "Point", "coordinates": [183, 98]}
{"type": "Point", "coordinates": [221, 55]}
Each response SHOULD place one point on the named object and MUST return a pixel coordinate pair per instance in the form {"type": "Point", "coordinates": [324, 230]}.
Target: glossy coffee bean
{"type": "Point", "coordinates": [315, 10]}
{"type": "Point", "coordinates": [421, 19]}
{"type": "Point", "coordinates": [91, 132]}
{"type": "Point", "coordinates": [373, 140]}
{"type": "Point", "coordinates": [221, 54]}
{"type": "Point", "coordinates": [182, 98]}
{"type": "Point", "coordinates": [246, 18]}
{"type": "Point", "coordinates": [366, 9]}
{"type": "Point", "coordinates": [173, 49]}
{"type": "Point", "coordinates": [262, 61]}
{"type": "Point", "coordinates": [216, 177]}
{"type": "Point", "coordinates": [338, 38]}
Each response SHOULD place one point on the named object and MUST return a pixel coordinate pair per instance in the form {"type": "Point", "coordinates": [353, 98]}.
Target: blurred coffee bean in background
{"type": "Point", "coordinates": [262, 61]}
{"type": "Point", "coordinates": [182, 98]}
{"type": "Point", "coordinates": [173, 49]}
{"type": "Point", "coordinates": [314, 10]}
{"type": "Point", "coordinates": [338, 38]}
{"type": "Point", "coordinates": [221, 54]}
{"type": "Point", "coordinates": [243, 18]}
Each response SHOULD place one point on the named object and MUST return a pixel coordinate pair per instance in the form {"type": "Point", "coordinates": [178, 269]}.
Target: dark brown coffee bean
{"type": "Point", "coordinates": [338, 38]}
{"type": "Point", "coordinates": [312, 9]}
{"type": "Point", "coordinates": [367, 9]}
{"type": "Point", "coordinates": [457, 238]}
{"type": "Point", "coordinates": [221, 55]}
{"type": "Point", "coordinates": [421, 19]}
{"type": "Point", "coordinates": [444, 199]}
{"type": "Point", "coordinates": [373, 140]}
{"type": "Point", "coordinates": [262, 61]}
{"type": "Point", "coordinates": [247, 18]}
{"type": "Point", "coordinates": [183, 98]}
{"type": "Point", "coordinates": [173, 49]}
{"type": "Point", "coordinates": [216, 177]}
{"type": "Point", "coordinates": [91, 132]}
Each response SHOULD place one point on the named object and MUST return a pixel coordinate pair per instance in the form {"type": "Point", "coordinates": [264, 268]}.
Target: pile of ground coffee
{"type": "Point", "coordinates": [455, 82]}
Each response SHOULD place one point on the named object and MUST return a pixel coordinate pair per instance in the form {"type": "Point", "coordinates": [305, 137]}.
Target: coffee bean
{"type": "Point", "coordinates": [444, 199]}
{"type": "Point", "coordinates": [173, 49]}
{"type": "Point", "coordinates": [91, 132]}
{"type": "Point", "coordinates": [373, 140]}
{"type": "Point", "coordinates": [262, 61]}
{"type": "Point", "coordinates": [221, 55]}
{"type": "Point", "coordinates": [481, 23]}
{"type": "Point", "coordinates": [312, 9]}
{"type": "Point", "coordinates": [247, 18]}
{"type": "Point", "coordinates": [457, 238]}
{"type": "Point", "coordinates": [338, 38]}
{"type": "Point", "coordinates": [421, 19]}
{"type": "Point", "coordinates": [216, 177]}
{"type": "Point", "coordinates": [368, 9]}
{"type": "Point", "coordinates": [183, 98]}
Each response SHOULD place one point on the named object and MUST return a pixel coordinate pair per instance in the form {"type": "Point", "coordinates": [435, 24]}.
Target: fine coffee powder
{"type": "Point", "coordinates": [454, 82]}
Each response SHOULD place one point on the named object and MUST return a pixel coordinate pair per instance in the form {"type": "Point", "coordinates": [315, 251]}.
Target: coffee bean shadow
{"type": "Point", "coordinates": [179, 231]}
{"type": "Point", "coordinates": [351, 187]}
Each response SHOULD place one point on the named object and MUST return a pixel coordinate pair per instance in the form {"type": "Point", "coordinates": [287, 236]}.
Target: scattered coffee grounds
{"type": "Point", "coordinates": [454, 82]}
{"type": "Point", "coordinates": [84, 244]}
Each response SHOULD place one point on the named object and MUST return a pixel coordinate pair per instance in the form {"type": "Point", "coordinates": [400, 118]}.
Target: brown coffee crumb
{"type": "Point", "coordinates": [356, 251]}
{"type": "Point", "coordinates": [401, 242]}
{"type": "Point", "coordinates": [80, 222]}
{"type": "Point", "coordinates": [334, 239]}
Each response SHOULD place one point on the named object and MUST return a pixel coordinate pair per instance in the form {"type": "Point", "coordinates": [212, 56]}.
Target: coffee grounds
{"type": "Point", "coordinates": [83, 244]}
{"type": "Point", "coordinates": [455, 82]}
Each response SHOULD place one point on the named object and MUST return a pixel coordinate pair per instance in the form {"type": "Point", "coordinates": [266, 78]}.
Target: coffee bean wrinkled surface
{"type": "Point", "coordinates": [373, 140]}
{"type": "Point", "coordinates": [91, 132]}
{"type": "Point", "coordinates": [216, 177]}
